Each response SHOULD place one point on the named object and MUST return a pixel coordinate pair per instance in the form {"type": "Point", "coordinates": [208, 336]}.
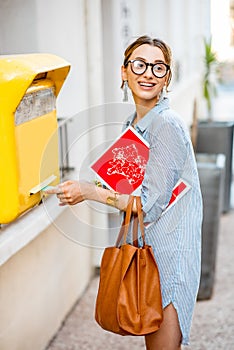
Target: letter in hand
{"type": "Point", "coordinates": [55, 190]}
{"type": "Point", "coordinates": [69, 192]}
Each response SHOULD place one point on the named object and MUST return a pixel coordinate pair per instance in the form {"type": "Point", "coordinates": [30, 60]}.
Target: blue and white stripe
{"type": "Point", "coordinates": [176, 235]}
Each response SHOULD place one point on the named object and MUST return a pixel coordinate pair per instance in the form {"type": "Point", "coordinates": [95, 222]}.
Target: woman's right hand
{"type": "Point", "coordinates": [72, 192]}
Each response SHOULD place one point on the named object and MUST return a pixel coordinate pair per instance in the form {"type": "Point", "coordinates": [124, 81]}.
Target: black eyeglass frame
{"type": "Point", "coordinates": [147, 65]}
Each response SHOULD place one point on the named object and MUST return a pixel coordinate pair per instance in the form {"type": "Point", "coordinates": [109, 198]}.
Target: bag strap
{"type": "Point", "coordinates": [138, 219]}
{"type": "Point", "coordinates": [126, 222]}
{"type": "Point", "coordinates": [135, 230]}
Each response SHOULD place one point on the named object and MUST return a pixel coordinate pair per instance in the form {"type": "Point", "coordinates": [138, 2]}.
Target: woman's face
{"type": "Point", "coordinates": [146, 88]}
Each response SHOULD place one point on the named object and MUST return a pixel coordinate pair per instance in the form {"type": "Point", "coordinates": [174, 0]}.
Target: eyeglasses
{"type": "Point", "coordinates": [139, 67]}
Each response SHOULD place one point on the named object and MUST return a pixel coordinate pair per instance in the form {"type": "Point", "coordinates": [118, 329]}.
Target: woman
{"type": "Point", "coordinates": [175, 233]}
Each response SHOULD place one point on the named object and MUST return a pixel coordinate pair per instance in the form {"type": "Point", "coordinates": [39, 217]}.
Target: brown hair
{"type": "Point", "coordinates": [153, 42]}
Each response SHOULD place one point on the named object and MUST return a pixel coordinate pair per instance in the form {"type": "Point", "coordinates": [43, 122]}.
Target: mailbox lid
{"type": "Point", "coordinates": [17, 72]}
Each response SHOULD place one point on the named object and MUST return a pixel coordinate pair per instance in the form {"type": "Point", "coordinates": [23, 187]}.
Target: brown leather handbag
{"type": "Point", "coordinates": [129, 296]}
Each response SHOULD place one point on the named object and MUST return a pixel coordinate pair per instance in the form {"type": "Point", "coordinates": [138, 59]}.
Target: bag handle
{"type": "Point", "coordinates": [140, 218]}
{"type": "Point", "coordinates": [126, 223]}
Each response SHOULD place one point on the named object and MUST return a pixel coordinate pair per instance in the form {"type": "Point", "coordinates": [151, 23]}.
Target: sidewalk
{"type": "Point", "coordinates": [213, 326]}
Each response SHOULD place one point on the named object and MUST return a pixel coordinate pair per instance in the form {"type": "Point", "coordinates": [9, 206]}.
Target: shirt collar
{"type": "Point", "coordinates": [145, 122]}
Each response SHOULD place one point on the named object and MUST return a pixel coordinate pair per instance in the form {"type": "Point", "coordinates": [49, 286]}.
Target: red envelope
{"type": "Point", "coordinates": [122, 166]}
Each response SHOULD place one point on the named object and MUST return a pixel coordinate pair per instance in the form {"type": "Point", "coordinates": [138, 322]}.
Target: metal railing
{"type": "Point", "coordinates": [64, 161]}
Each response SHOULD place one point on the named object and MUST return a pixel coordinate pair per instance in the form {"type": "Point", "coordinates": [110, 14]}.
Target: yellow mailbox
{"type": "Point", "coordinates": [29, 85]}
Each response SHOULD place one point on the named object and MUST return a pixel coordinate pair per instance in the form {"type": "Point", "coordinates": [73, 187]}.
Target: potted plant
{"type": "Point", "coordinates": [215, 136]}
{"type": "Point", "coordinates": [209, 86]}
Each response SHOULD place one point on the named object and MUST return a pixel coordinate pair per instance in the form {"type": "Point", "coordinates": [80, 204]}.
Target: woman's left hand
{"type": "Point", "coordinates": [72, 192]}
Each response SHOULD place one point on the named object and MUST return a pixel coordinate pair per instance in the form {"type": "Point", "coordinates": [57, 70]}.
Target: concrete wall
{"type": "Point", "coordinates": [39, 285]}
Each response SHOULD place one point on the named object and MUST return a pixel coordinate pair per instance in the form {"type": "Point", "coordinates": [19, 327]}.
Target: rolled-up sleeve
{"type": "Point", "coordinates": [167, 155]}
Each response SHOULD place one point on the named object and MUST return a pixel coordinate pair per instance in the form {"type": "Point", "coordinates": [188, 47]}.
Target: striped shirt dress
{"type": "Point", "coordinates": [175, 235]}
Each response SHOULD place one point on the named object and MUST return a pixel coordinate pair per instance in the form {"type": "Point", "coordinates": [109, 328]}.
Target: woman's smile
{"type": "Point", "coordinates": [146, 85]}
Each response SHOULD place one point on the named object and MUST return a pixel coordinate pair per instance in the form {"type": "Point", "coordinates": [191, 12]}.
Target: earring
{"type": "Point", "coordinates": [125, 91]}
{"type": "Point", "coordinates": [164, 92]}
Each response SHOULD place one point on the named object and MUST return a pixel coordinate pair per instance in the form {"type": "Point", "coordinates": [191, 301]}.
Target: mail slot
{"type": "Point", "coordinates": [29, 161]}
